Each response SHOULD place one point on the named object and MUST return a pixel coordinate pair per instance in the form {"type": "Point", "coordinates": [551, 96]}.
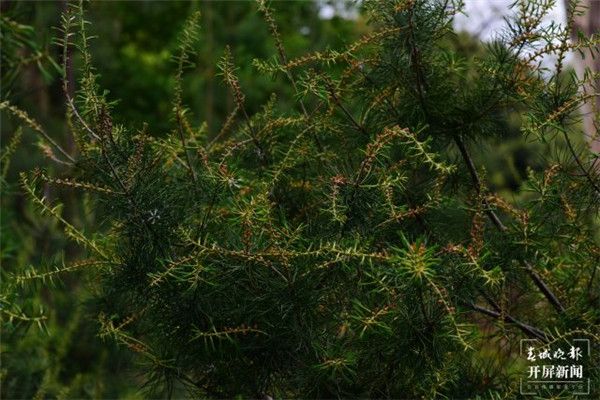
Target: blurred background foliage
{"type": "Point", "coordinates": [49, 347]}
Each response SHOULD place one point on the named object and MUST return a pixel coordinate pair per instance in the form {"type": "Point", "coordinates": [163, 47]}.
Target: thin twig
{"type": "Point", "coordinates": [283, 60]}
{"type": "Point", "coordinates": [183, 143]}
{"type": "Point", "coordinates": [579, 164]}
{"type": "Point", "coordinates": [338, 102]}
{"type": "Point", "coordinates": [97, 137]}
{"type": "Point", "coordinates": [477, 183]}
{"type": "Point", "coordinates": [33, 124]}
{"type": "Point", "coordinates": [528, 329]}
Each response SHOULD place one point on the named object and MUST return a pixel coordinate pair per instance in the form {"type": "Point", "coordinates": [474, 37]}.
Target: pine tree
{"type": "Point", "coordinates": [350, 247]}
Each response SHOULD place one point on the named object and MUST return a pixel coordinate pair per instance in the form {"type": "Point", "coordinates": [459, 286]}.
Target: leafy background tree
{"type": "Point", "coordinates": [323, 228]}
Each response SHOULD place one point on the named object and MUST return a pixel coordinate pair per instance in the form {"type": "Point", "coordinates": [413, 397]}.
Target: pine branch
{"type": "Point", "coordinates": [188, 160]}
{"type": "Point", "coordinates": [539, 282]}
{"type": "Point", "coordinates": [338, 103]}
{"type": "Point", "coordinates": [477, 183]}
{"type": "Point", "coordinates": [528, 329]}
{"type": "Point", "coordinates": [283, 60]}
{"type": "Point", "coordinates": [421, 85]}
{"type": "Point", "coordinates": [585, 172]}
{"type": "Point", "coordinates": [23, 116]}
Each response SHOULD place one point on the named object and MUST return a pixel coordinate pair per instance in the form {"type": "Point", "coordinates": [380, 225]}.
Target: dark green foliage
{"type": "Point", "coordinates": [348, 246]}
{"type": "Point", "coordinates": [14, 38]}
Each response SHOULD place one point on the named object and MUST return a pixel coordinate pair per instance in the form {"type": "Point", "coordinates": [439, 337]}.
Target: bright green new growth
{"type": "Point", "coordinates": [350, 248]}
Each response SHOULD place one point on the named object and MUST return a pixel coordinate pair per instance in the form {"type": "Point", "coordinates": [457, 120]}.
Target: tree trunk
{"type": "Point", "coordinates": [589, 24]}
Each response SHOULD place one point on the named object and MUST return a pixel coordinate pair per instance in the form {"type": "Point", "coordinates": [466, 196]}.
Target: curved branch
{"type": "Point", "coordinates": [535, 277]}
{"type": "Point", "coordinates": [528, 329]}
